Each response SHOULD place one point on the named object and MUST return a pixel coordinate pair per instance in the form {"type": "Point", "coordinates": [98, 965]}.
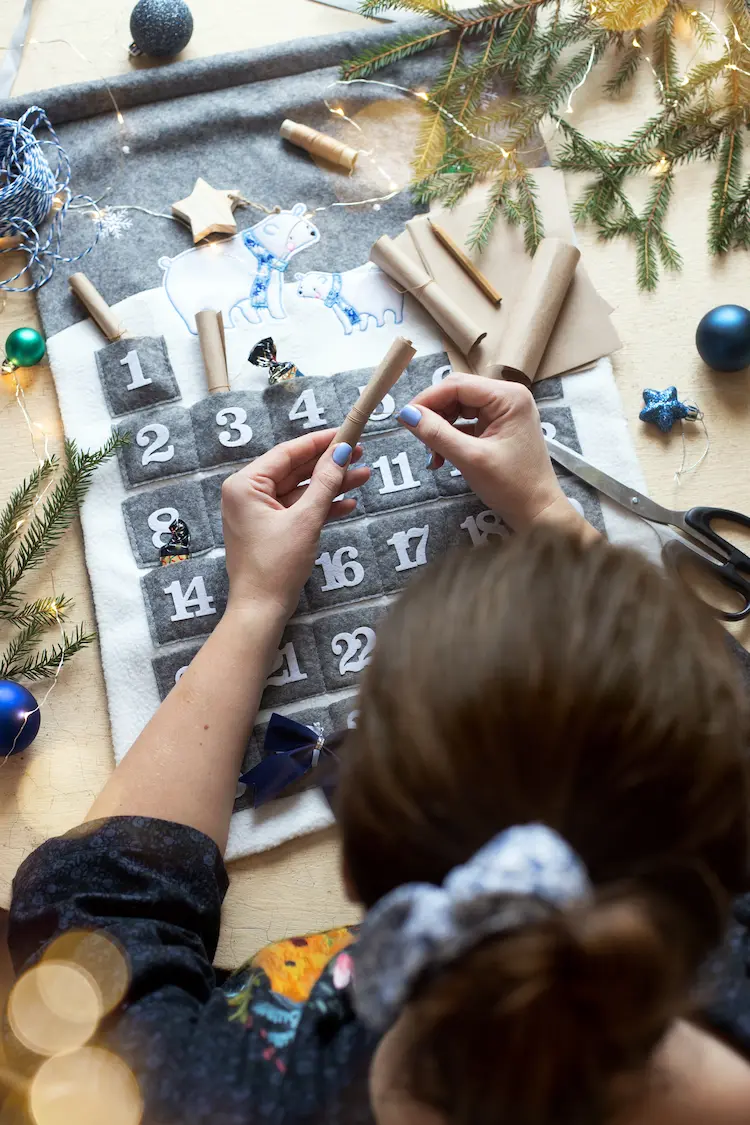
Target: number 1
{"type": "Point", "coordinates": [133, 364]}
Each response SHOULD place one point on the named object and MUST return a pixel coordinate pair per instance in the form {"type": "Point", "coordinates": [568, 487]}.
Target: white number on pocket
{"type": "Point", "coordinates": [194, 597]}
{"type": "Point", "coordinates": [384, 409]}
{"type": "Point", "coordinates": [159, 522]}
{"type": "Point", "coordinates": [482, 526]}
{"type": "Point", "coordinates": [287, 665]}
{"type": "Point", "coordinates": [235, 417]}
{"type": "Point", "coordinates": [351, 719]}
{"type": "Point", "coordinates": [549, 430]}
{"type": "Point", "coordinates": [155, 450]}
{"type": "Point", "coordinates": [180, 672]}
{"type": "Point", "coordinates": [133, 364]}
{"type": "Point", "coordinates": [357, 648]}
{"type": "Point", "coordinates": [439, 374]}
{"type": "Point", "coordinates": [341, 570]}
{"type": "Point", "coordinates": [307, 407]}
{"type": "Point", "coordinates": [401, 460]}
{"type": "Point", "coordinates": [400, 542]}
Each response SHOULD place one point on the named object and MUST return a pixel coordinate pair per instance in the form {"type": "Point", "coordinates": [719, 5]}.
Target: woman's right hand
{"type": "Point", "coordinates": [502, 457]}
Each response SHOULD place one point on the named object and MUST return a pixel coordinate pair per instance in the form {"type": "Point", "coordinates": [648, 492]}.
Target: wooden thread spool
{"type": "Point", "coordinates": [384, 377]}
{"type": "Point", "coordinates": [319, 144]}
{"type": "Point", "coordinates": [92, 300]}
{"type": "Point", "coordinates": [210, 324]}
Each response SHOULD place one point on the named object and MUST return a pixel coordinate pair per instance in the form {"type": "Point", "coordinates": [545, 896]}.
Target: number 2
{"type": "Point", "coordinates": [133, 364]}
{"type": "Point", "coordinates": [160, 435]}
{"type": "Point", "coordinates": [235, 417]}
{"type": "Point", "coordinates": [357, 648]}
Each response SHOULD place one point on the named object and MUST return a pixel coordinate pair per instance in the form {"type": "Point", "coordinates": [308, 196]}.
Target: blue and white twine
{"type": "Point", "coordinates": [28, 187]}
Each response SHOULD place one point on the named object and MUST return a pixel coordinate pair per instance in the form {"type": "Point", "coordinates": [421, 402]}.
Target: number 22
{"type": "Point", "coordinates": [356, 647]}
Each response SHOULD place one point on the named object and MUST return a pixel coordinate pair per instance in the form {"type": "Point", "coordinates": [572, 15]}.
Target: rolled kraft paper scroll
{"type": "Point", "coordinates": [210, 324]}
{"type": "Point", "coordinates": [319, 144]}
{"type": "Point", "coordinates": [535, 311]}
{"type": "Point", "coordinates": [91, 299]}
{"type": "Point", "coordinates": [384, 377]}
{"type": "Point", "coordinates": [415, 280]}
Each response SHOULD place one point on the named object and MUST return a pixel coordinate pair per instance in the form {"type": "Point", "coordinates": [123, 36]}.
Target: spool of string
{"type": "Point", "coordinates": [29, 185]}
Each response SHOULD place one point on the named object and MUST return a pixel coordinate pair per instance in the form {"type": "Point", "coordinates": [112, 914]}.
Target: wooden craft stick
{"type": "Point", "coordinates": [92, 300]}
{"type": "Point", "coordinates": [415, 280]}
{"type": "Point", "coordinates": [465, 262]}
{"type": "Point", "coordinates": [319, 144]}
{"type": "Point", "coordinates": [384, 377]}
{"type": "Point", "coordinates": [210, 324]}
{"type": "Point", "coordinates": [535, 311]}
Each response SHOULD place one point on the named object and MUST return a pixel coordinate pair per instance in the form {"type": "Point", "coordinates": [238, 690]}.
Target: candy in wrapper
{"type": "Point", "coordinates": [177, 547]}
{"type": "Point", "coordinates": [264, 355]}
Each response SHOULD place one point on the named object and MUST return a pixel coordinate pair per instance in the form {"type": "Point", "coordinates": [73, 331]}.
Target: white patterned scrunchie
{"type": "Point", "coordinates": [420, 926]}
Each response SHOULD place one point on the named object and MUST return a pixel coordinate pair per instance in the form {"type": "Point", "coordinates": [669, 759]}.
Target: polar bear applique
{"type": "Point", "coordinates": [356, 296]}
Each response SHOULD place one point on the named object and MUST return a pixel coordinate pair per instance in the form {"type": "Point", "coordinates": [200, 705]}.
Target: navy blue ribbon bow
{"type": "Point", "coordinates": [291, 751]}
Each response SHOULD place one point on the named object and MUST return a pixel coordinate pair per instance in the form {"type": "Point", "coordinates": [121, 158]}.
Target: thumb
{"type": "Point", "coordinates": [327, 479]}
{"type": "Point", "coordinates": [437, 433]}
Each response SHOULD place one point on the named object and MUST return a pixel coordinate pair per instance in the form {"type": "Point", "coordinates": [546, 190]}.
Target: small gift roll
{"type": "Point", "coordinates": [535, 311]}
{"type": "Point", "coordinates": [210, 324]}
{"type": "Point", "coordinates": [386, 375]}
{"type": "Point", "coordinates": [319, 144]}
{"type": "Point", "coordinates": [91, 299]}
{"type": "Point", "coordinates": [415, 280]}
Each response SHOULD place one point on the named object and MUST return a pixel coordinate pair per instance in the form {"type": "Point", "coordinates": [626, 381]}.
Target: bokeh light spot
{"type": "Point", "coordinates": [90, 1086]}
{"type": "Point", "coordinates": [54, 1007]}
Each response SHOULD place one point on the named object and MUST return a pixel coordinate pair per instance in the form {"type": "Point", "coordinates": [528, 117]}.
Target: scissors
{"type": "Point", "coordinates": [715, 555]}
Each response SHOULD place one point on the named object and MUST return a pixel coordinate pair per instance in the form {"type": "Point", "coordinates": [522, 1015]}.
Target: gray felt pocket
{"type": "Point", "coordinates": [136, 372]}
{"type": "Point", "coordinates": [450, 481]}
{"type": "Point", "coordinates": [399, 475]}
{"type": "Point", "coordinates": [233, 426]}
{"type": "Point", "coordinates": [345, 567]}
{"type": "Point", "coordinates": [296, 673]}
{"type": "Point", "coordinates": [346, 641]}
{"type": "Point", "coordinates": [547, 388]}
{"type": "Point", "coordinates": [344, 713]}
{"type": "Point", "coordinates": [211, 487]}
{"type": "Point", "coordinates": [149, 513]}
{"type": "Point", "coordinates": [557, 423]}
{"type": "Point", "coordinates": [427, 370]}
{"type": "Point", "coordinates": [470, 523]}
{"type": "Point", "coordinates": [161, 445]}
{"type": "Point", "coordinates": [585, 499]}
{"type": "Point", "coordinates": [169, 666]}
{"type": "Point", "coordinates": [302, 405]}
{"type": "Point", "coordinates": [405, 542]}
{"type": "Point", "coordinates": [349, 385]}
{"type": "Point", "coordinates": [185, 599]}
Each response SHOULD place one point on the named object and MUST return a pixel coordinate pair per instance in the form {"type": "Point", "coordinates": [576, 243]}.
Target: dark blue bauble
{"type": "Point", "coordinates": [19, 717]}
{"type": "Point", "coordinates": [723, 338]}
{"type": "Point", "coordinates": [160, 28]}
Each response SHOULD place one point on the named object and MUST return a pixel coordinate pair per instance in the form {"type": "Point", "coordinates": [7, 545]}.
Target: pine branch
{"type": "Point", "coordinates": [650, 233]}
{"type": "Point", "coordinates": [725, 189]}
{"type": "Point", "coordinates": [431, 9]}
{"type": "Point", "coordinates": [44, 611]}
{"type": "Point", "coordinates": [531, 216]}
{"type": "Point", "coordinates": [630, 60]}
{"type": "Point", "coordinates": [375, 58]}
{"type": "Point", "coordinates": [664, 52]}
{"type": "Point", "coordinates": [59, 510]}
{"type": "Point", "coordinates": [479, 235]}
{"type": "Point", "coordinates": [18, 506]}
{"type": "Point", "coordinates": [44, 664]}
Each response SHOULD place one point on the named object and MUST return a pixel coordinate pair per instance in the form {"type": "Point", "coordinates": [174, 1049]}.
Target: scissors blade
{"type": "Point", "coordinates": [621, 493]}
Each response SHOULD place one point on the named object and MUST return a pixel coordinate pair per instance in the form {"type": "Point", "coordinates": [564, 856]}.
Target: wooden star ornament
{"type": "Point", "coordinates": [208, 210]}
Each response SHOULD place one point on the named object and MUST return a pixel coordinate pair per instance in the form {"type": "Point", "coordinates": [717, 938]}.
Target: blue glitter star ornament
{"type": "Point", "coordinates": [664, 408]}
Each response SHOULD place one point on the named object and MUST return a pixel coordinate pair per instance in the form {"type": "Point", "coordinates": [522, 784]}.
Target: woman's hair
{"type": "Point", "coordinates": [577, 686]}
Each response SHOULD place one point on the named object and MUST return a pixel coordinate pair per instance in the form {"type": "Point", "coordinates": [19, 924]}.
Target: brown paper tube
{"type": "Point", "coordinates": [535, 312]}
{"type": "Point", "coordinates": [386, 375]}
{"type": "Point", "coordinates": [415, 280]}
{"type": "Point", "coordinates": [91, 299]}
{"type": "Point", "coordinates": [11, 241]}
{"type": "Point", "coordinates": [319, 144]}
{"type": "Point", "coordinates": [210, 324]}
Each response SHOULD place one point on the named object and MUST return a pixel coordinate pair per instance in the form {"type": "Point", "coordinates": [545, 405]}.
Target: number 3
{"type": "Point", "coordinates": [235, 417]}
{"type": "Point", "coordinates": [357, 647]}
{"type": "Point", "coordinates": [160, 435]}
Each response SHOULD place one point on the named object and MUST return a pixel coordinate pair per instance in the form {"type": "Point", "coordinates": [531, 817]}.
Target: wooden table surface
{"type": "Point", "coordinates": [297, 888]}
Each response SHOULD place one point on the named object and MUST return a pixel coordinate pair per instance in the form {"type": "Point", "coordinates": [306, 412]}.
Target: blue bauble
{"type": "Point", "coordinates": [160, 28]}
{"type": "Point", "coordinates": [19, 717]}
{"type": "Point", "coordinates": [723, 338]}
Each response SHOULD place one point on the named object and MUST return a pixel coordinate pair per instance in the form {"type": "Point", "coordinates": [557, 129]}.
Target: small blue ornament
{"type": "Point", "coordinates": [160, 28]}
{"type": "Point", "coordinates": [19, 717]}
{"type": "Point", "coordinates": [663, 408]}
{"type": "Point", "coordinates": [723, 338]}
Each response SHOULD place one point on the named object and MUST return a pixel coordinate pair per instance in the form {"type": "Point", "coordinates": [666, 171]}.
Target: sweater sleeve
{"type": "Point", "coordinates": [156, 888]}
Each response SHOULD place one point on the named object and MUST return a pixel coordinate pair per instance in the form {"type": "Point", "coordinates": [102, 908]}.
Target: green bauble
{"type": "Point", "coordinates": [25, 347]}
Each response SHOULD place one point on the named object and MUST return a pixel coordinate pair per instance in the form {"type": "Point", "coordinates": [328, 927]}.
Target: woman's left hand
{"type": "Point", "coordinates": [272, 521]}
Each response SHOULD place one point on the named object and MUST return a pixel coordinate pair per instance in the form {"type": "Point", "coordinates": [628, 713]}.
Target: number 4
{"type": "Point", "coordinates": [306, 406]}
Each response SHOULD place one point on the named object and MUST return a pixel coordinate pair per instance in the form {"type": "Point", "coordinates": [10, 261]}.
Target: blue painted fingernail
{"type": "Point", "coordinates": [428, 462]}
{"type": "Point", "coordinates": [410, 414]}
{"type": "Point", "coordinates": [342, 453]}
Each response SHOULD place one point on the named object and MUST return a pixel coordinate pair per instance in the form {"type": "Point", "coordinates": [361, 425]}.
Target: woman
{"type": "Point", "coordinates": [544, 811]}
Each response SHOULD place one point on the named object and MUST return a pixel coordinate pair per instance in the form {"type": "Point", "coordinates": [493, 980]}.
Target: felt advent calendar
{"type": "Point", "coordinates": [296, 274]}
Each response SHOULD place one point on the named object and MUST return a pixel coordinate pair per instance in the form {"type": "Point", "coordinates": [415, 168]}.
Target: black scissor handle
{"type": "Point", "coordinates": [675, 552]}
{"type": "Point", "coordinates": [701, 520]}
